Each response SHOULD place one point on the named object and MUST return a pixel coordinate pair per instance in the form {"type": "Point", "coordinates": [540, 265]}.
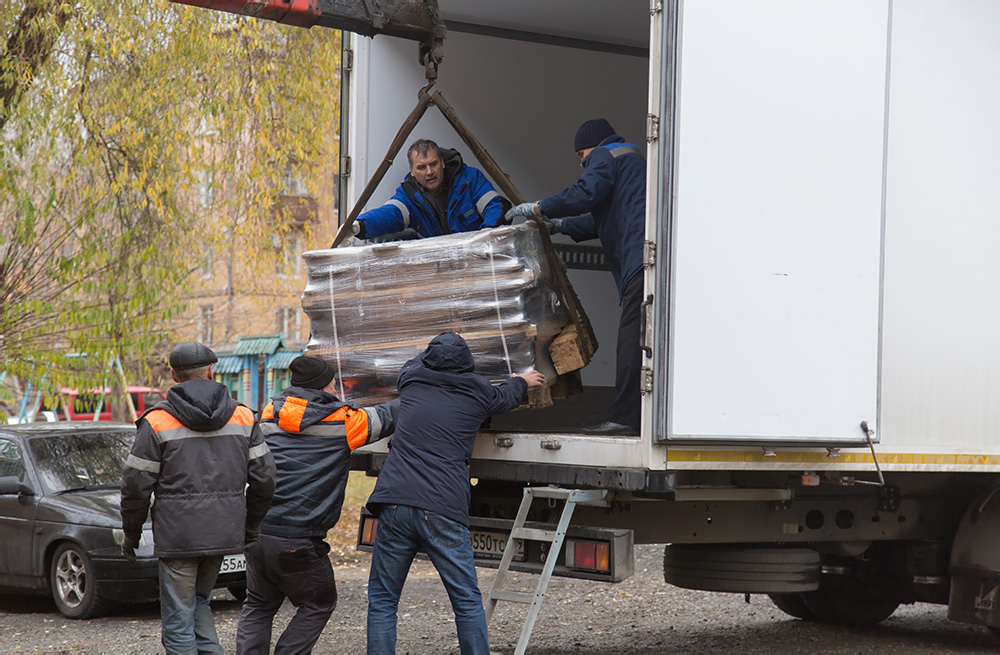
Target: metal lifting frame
{"type": "Point", "coordinates": [572, 498]}
{"type": "Point", "coordinates": [425, 99]}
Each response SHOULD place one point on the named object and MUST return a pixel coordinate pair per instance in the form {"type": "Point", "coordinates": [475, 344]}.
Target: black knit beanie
{"type": "Point", "coordinates": [591, 133]}
{"type": "Point", "coordinates": [311, 372]}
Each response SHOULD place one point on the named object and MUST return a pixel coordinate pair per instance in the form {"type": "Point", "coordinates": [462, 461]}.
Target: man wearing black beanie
{"type": "Point", "coordinates": [311, 434]}
{"type": "Point", "coordinates": [613, 190]}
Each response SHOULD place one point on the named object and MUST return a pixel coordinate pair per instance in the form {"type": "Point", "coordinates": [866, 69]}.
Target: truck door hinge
{"type": "Point", "coordinates": [648, 254]}
{"type": "Point", "coordinates": [655, 7]}
{"type": "Point", "coordinates": [652, 128]}
{"type": "Point", "coordinates": [647, 380]}
{"type": "Point", "coordinates": [347, 60]}
{"type": "Point", "coordinates": [345, 166]}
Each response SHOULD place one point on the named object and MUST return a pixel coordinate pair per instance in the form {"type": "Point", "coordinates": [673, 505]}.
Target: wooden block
{"type": "Point", "coordinates": [566, 386]}
{"type": "Point", "coordinates": [539, 398]}
{"type": "Point", "coordinates": [567, 351]}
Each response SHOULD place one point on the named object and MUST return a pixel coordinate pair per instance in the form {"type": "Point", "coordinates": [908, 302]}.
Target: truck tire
{"type": "Point", "coordinates": [792, 605]}
{"type": "Point", "coordinates": [846, 600]}
{"type": "Point", "coordinates": [742, 568]}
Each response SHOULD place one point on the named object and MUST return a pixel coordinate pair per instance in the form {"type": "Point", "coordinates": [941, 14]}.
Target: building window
{"type": "Point", "coordinates": [206, 189]}
{"type": "Point", "coordinates": [287, 256]}
{"type": "Point", "coordinates": [287, 321]}
{"type": "Point", "coordinates": [207, 264]}
{"type": "Point", "coordinates": [205, 324]}
{"type": "Point", "coordinates": [293, 185]}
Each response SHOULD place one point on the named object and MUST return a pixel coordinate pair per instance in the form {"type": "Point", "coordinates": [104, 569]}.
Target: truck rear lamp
{"type": "Point", "coordinates": [588, 555]}
{"type": "Point", "coordinates": [369, 527]}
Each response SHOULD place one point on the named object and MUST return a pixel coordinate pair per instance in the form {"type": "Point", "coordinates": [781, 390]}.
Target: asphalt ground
{"type": "Point", "coordinates": [641, 615]}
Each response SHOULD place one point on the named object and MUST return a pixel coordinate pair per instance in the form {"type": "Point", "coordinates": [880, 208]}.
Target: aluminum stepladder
{"type": "Point", "coordinates": [572, 498]}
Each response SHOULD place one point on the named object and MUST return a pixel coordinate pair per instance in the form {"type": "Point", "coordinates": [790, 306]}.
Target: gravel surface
{"type": "Point", "coordinates": [640, 615]}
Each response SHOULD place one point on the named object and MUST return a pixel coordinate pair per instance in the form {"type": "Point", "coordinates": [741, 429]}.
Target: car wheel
{"type": "Point", "coordinates": [238, 591]}
{"type": "Point", "coordinates": [74, 585]}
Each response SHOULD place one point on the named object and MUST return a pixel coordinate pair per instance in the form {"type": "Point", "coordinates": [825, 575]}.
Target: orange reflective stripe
{"type": "Point", "coordinates": [268, 412]}
{"type": "Point", "coordinates": [290, 414]}
{"type": "Point", "coordinates": [356, 424]}
{"type": "Point", "coordinates": [242, 416]}
{"type": "Point", "coordinates": [161, 420]}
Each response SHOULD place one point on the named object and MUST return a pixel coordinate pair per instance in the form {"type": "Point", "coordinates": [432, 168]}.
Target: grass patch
{"type": "Point", "coordinates": [344, 535]}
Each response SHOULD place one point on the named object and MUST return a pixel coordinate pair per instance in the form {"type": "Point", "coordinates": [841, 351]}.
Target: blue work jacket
{"type": "Point", "coordinates": [613, 189]}
{"type": "Point", "coordinates": [472, 204]}
{"type": "Point", "coordinates": [442, 406]}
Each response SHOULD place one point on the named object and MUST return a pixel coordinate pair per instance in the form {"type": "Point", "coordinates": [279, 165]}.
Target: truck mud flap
{"type": "Point", "coordinates": [742, 569]}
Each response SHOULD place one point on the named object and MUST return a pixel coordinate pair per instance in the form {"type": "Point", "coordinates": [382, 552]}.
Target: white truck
{"type": "Point", "coordinates": [821, 406]}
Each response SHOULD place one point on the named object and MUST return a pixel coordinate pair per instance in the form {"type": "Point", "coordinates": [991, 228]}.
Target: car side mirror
{"type": "Point", "coordinates": [11, 484]}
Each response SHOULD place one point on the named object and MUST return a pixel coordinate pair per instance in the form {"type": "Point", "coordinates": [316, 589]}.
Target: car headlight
{"type": "Point", "coordinates": [145, 547]}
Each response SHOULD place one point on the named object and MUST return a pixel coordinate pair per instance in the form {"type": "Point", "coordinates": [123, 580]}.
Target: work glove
{"type": "Point", "coordinates": [555, 225]}
{"type": "Point", "coordinates": [524, 209]}
{"type": "Point", "coordinates": [128, 549]}
{"type": "Point", "coordinates": [357, 229]}
{"type": "Point", "coordinates": [250, 538]}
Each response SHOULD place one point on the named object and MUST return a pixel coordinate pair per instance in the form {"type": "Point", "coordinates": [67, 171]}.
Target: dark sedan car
{"type": "Point", "coordinates": [60, 526]}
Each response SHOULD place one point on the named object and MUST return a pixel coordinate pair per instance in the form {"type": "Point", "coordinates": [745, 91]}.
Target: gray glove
{"type": "Point", "coordinates": [555, 225]}
{"type": "Point", "coordinates": [128, 549]}
{"type": "Point", "coordinates": [524, 209]}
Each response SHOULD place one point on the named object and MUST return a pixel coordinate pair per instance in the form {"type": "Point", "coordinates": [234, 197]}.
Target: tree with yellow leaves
{"type": "Point", "coordinates": [113, 115]}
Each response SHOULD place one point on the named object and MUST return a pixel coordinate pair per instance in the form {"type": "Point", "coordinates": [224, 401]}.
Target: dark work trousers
{"type": "Point", "coordinates": [626, 406]}
{"type": "Point", "coordinates": [295, 568]}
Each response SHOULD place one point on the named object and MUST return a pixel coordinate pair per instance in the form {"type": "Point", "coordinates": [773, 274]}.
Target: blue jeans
{"type": "Point", "coordinates": [185, 585]}
{"type": "Point", "coordinates": [401, 532]}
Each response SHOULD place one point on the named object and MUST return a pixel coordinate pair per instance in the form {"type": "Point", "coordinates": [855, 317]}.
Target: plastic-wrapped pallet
{"type": "Point", "coordinates": [373, 307]}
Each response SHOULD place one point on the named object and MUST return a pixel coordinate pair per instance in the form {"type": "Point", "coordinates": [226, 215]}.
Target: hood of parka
{"type": "Point", "coordinates": [447, 352]}
{"type": "Point", "coordinates": [201, 405]}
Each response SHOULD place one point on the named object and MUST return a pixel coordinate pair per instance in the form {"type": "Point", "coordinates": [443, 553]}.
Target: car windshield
{"type": "Point", "coordinates": [87, 460]}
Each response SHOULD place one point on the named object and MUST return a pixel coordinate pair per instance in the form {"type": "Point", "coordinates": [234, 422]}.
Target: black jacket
{"type": "Point", "coordinates": [613, 189]}
{"type": "Point", "coordinates": [443, 404]}
{"type": "Point", "coordinates": [311, 435]}
{"type": "Point", "coordinates": [207, 463]}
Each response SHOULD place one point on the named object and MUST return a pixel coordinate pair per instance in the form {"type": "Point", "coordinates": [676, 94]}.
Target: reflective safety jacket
{"type": "Point", "coordinates": [311, 434]}
{"type": "Point", "coordinates": [207, 462]}
{"type": "Point", "coordinates": [613, 189]}
{"type": "Point", "coordinates": [472, 204]}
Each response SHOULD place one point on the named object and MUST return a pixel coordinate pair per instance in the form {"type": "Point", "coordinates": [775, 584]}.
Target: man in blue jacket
{"type": "Point", "coordinates": [422, 494]}
{"type": "Point", "coordinates": [441, 195]}
{"type": "Point", "coordinates": [311, 434]}
{"type": "Point", "coordinates": [613, 190]}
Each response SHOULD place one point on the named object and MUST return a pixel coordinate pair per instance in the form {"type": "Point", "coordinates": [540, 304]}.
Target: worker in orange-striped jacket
{"type": "Point", "coordinates": [311, 434]}
{"type": "Point", "coordinates": [203, 456]}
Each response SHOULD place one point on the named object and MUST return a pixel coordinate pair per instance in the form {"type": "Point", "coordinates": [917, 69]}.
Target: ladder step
{"type": "Point", "coordinates": [513, 596]}
{"type": "Point", "coordinates": [581, 496]}
{"type": "Point", "coordinates": [534, 534]}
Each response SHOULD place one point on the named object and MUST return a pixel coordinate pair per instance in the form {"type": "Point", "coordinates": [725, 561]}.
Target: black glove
{"type": "Point", "coordinates": [128, 549]}
{"type": "Point", "coordinates": [555, 225]}
{"type": "Point", "coordinates": [250, 538]}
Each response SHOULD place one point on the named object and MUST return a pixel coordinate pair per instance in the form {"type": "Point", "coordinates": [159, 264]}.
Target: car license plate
{"type": "Point", "coordinates": [490, 545]}
{"type": "Point", "coordinates": [233, 564]}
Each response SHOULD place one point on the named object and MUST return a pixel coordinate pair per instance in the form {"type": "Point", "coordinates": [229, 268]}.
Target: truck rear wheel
{"type": "Point", "coordinates": [846, 600]}
{"type": "Point", "coordinates": [792, 605]}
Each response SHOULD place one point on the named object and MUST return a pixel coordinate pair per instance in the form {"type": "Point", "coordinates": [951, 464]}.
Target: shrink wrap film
{"type": "Point", "coordinates": [373, 307]}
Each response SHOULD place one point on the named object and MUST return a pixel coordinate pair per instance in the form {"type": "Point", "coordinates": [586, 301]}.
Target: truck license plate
{"type": "Point", "coordinates": [233, 564]}
{"type": "Point", "coordinates": [490, 545]}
